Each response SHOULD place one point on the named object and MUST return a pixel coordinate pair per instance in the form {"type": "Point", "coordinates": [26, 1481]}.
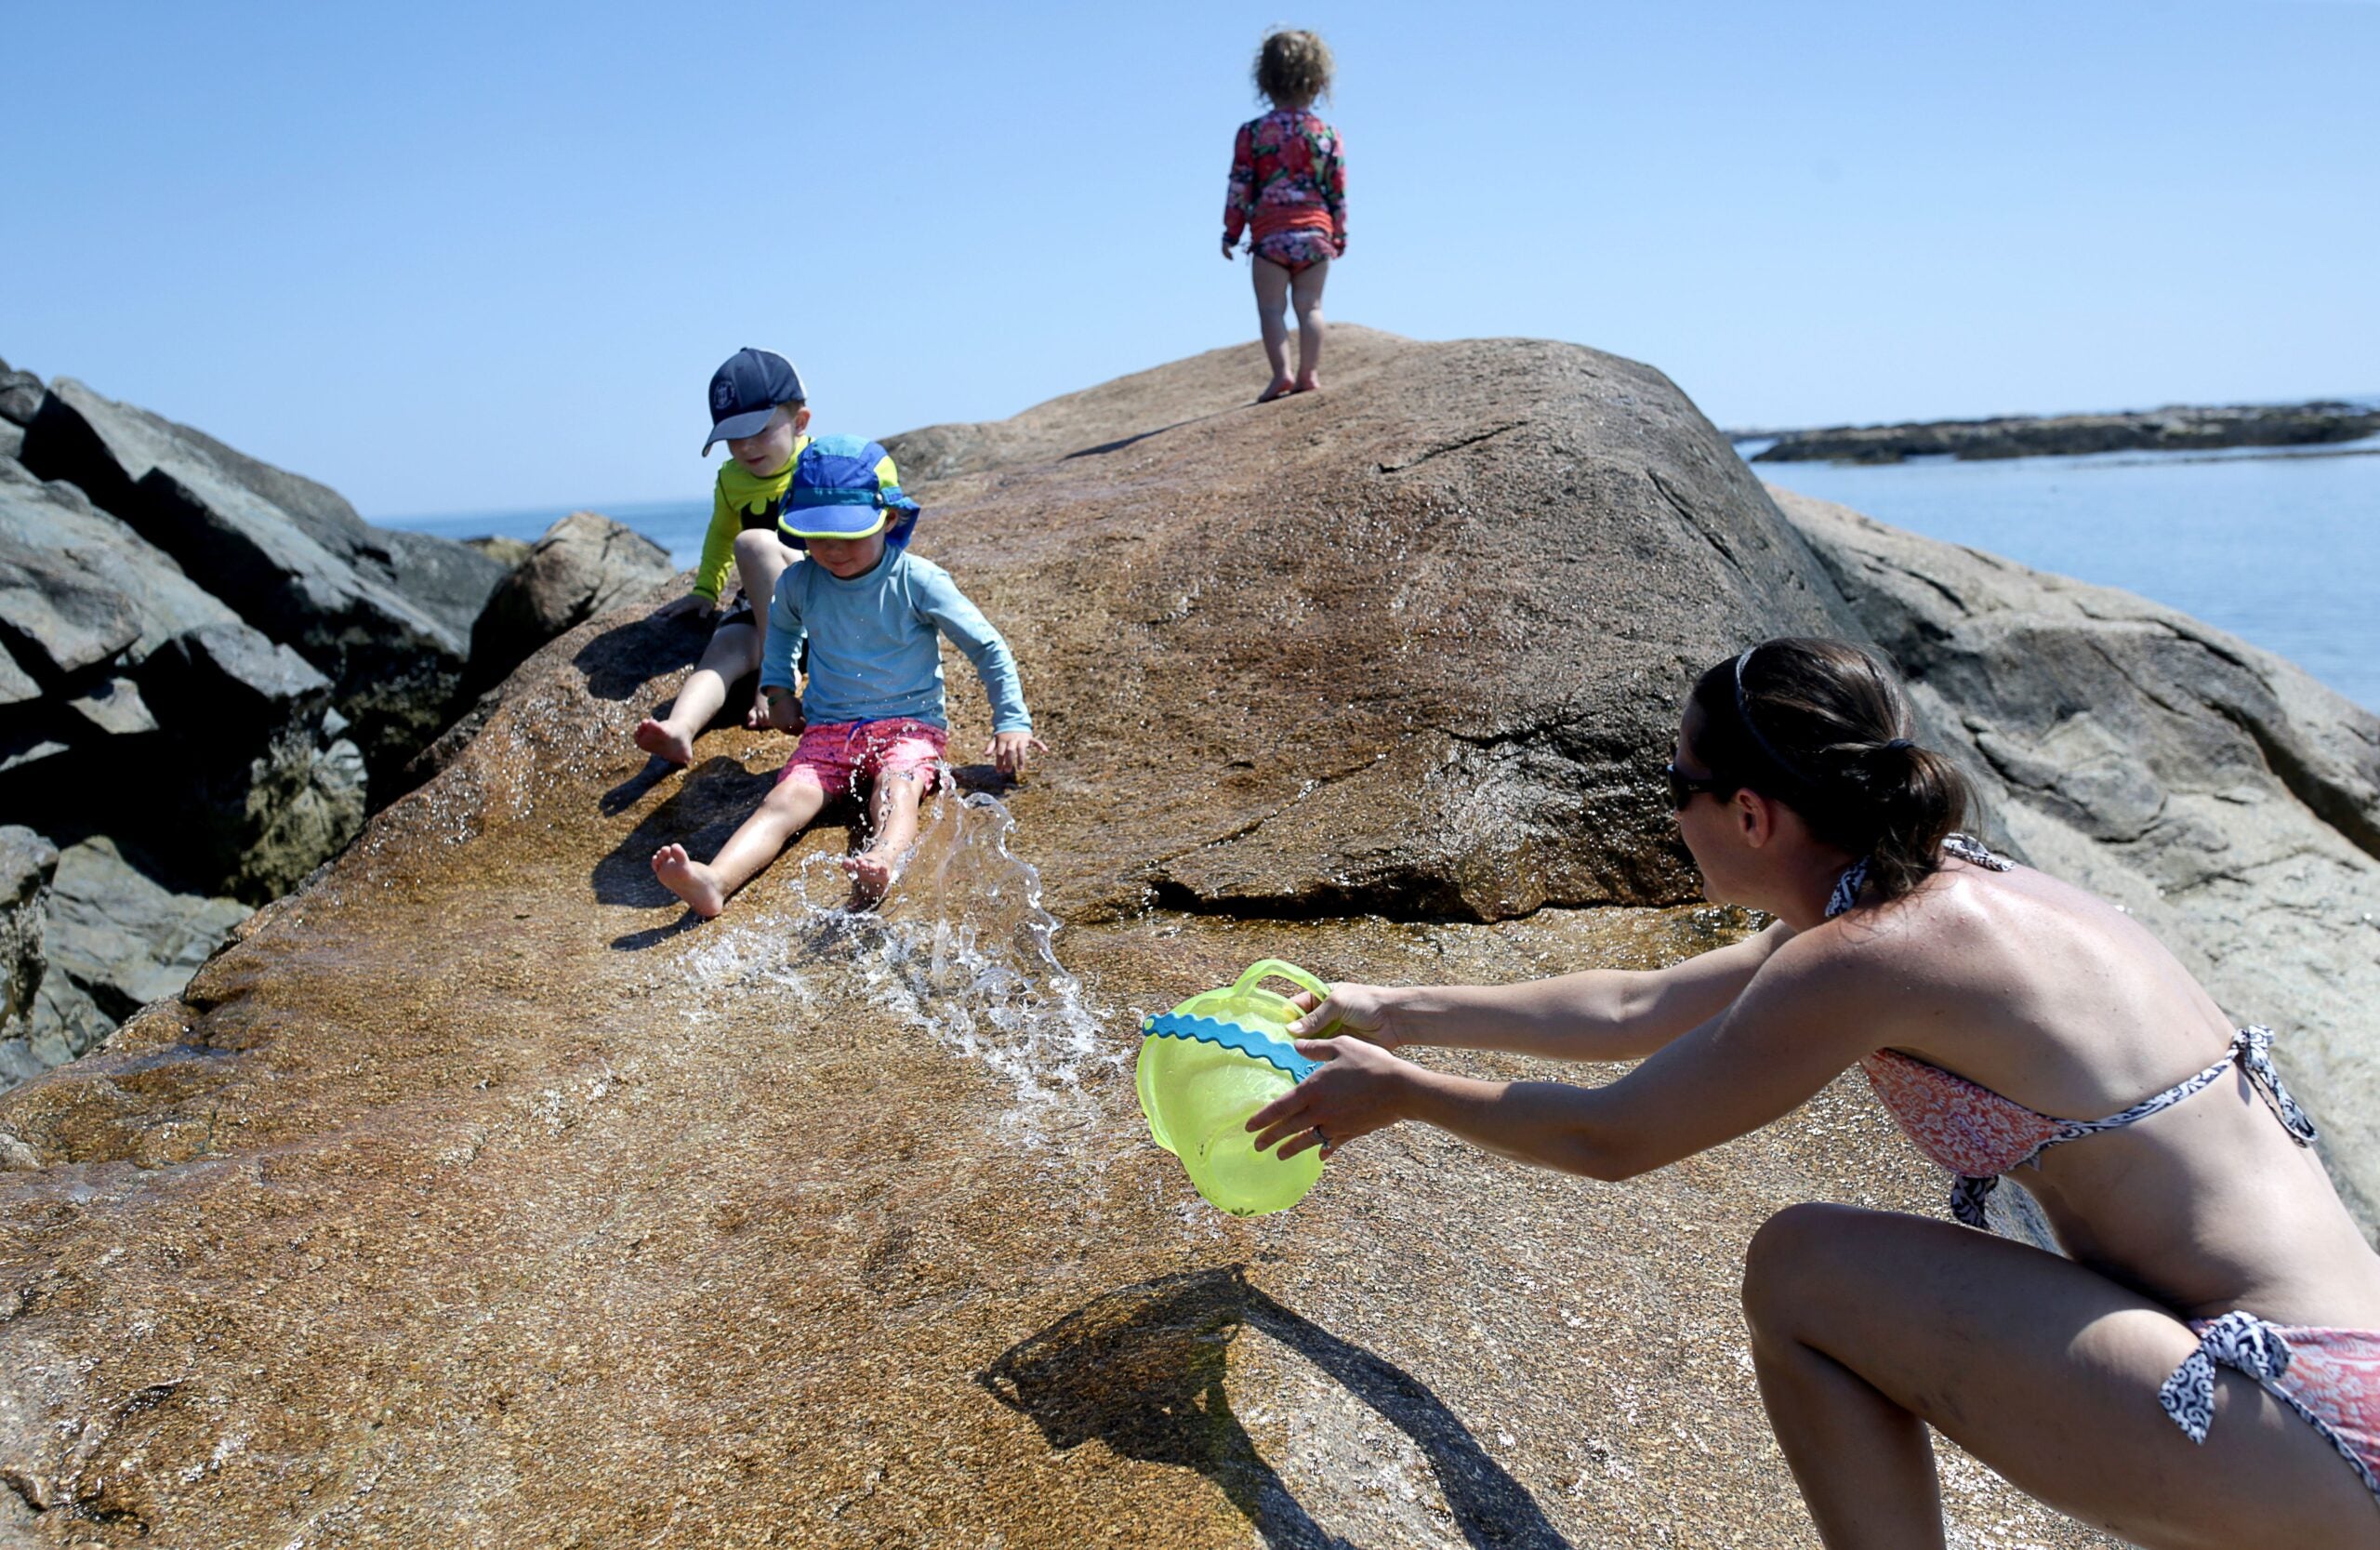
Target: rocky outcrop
{"type": "Point", "coordinates": [469, 1186]}
{"type": "Point", "coordinates": [585, 564]}
{"type": "Point", "coordinates": [2171, 430]}
{"type": "Point", "coordinates": [286, 554]}
{"type": "Point", "coordinates": [159, 715]}
{"type": "Point", "coordinates": [2214, 790]}
{"type": "Point", "coordinates": [211, 661]}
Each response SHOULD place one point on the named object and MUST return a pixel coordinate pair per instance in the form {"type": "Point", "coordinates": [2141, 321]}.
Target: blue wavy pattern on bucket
{"type": "Point", "coordinates": [1232, 1036]}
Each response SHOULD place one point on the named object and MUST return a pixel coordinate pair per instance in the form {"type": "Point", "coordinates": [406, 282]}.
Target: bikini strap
{"type": "Point", "coordinates": [1846, 888]}
{"type": "Point", "coordinates": [2253, 1047]}
{"type": "Point", "coordinates": [1966, 847]}
{"type": "Point", "coordinates": [1969, 849]}
{"type": "Point", "coordinates": [2240, 1341]}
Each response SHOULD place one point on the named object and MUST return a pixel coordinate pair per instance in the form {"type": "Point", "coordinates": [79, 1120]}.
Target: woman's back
{"type": "Point", "coordinates": [2055, 1000]}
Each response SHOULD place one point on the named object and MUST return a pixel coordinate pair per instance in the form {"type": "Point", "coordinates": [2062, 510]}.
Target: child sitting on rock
{"type": "Point", "coordinates": [873, 712]}
{"type": "Point", "coordinates": [758, 408]}
{"type": "Point", "coordinates": [1288, 185]}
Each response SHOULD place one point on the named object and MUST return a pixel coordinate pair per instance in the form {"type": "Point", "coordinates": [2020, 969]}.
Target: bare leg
{"type": "Point", "coordinates": [1305, 295]}
{"type": "Point", "coordinates": [1868, 1325]}
{"type": "Point", "coordinates": [733, 650]}
{"type": "Point", "coordinates": [760, 558]}
{"type": "Point", "coordinates": [1272, 295]}
{"type": "Point", "coordinates": [892, 813]}
{"type": "Point", "coordinates": [785, 812]}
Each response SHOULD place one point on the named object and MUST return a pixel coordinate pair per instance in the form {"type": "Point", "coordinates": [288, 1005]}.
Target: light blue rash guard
{"type": "Point", "coordinates": [873, 656]}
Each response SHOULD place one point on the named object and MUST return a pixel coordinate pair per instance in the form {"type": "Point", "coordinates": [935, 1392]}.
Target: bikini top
{"type": "Point", "coordinates": [1979, 1135]}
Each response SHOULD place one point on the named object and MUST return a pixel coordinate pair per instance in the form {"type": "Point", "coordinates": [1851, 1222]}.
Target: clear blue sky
{"type": "Point", "coordinates": [453, 258]}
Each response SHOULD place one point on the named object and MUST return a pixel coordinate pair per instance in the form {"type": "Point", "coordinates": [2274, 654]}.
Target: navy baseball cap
{"type": "Point", "coordinates": [747, 390]}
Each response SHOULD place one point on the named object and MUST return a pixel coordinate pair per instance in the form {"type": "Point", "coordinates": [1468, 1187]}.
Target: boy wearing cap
{"type": "Point", "coordinates": [760, 410]}
{"type": "Point", "coordinates": [873, 712]}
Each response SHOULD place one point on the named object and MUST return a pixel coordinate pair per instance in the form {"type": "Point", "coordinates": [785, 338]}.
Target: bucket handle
{"type": "Point", "coordinates": [1270, 967]}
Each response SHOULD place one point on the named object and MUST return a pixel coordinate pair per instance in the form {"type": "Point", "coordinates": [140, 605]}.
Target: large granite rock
{"type": "Point", "coordinates": [385, 614]}
{"type": "Point", "coordinates": [2217, 791]}
{"type": "Point", "coordinates": [1421, 639]}
{"type": "Point", "coordinates": [470, 1195]}
{"type": "Point", "coordinates": [585, 564]}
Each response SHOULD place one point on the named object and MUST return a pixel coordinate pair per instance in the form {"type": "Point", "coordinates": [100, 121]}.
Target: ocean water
{"type": "Point", "coordinates": [2279, 547]}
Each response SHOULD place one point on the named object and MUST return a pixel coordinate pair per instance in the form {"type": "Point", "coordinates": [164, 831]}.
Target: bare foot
{"type": "Point", "coordinates": [1280, 385]}
{"type": "Point", "coordinates": [664, 741]}
{"type": "Point", "coordinates": [1310, 383]}
{"type": "Point", "coordinates": [690, 879]}
{"type": "Point", "coordinates": [871, 877]}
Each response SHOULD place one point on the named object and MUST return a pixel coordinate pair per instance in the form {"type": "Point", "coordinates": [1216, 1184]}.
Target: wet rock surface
{"type": "Point", "coordinates": [474, 1195]}
{"type": "Point", "coordinates": [2219, 793]}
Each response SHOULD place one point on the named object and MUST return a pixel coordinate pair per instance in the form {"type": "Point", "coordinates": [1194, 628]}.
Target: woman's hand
{"type": "Point", "coordinates": [1230, 249]}
{"type": "Point", "coordinates": [1359, 1090]}
{"type": "Point", "coordinates": [1368, 1011]}
{"type": "Point", "coordinates": [693, 603]}
{"type": "Point", "coordinates": [1011, 751]}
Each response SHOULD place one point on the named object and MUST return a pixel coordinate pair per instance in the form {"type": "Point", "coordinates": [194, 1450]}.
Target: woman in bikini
{"type": "Point", "coordinates": [1289, 190]}
{"type": "Point", "coordinates": [2201, 1368]}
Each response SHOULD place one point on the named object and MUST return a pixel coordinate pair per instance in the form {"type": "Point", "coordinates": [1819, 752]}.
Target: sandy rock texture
{"type": "Point", "coordinates": [2217, 791]}
{"type": "Point", "coordinates": [475, 1197]}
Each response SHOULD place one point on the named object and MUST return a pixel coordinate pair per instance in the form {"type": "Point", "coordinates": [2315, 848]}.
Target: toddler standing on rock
{"type": "Point", "coordinates": [873, 712]}
{"type": "Point", "coordinates": [1288, 186]}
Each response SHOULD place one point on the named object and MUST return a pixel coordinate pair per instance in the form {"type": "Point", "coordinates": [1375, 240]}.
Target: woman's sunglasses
{"type": "Point", "coordinates": [1683, 787]}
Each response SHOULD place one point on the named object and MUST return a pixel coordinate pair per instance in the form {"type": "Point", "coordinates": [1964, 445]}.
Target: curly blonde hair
{"type": "Point", "coordinates": [1293, 68]}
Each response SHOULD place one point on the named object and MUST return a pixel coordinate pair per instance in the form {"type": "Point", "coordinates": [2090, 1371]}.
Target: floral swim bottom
{"type": "Point", "coordinates": [2329, 1377]}
{"type": "Point", "coordinates": [1300, 248]}
{"type": "Point", "coordinates": [838, 755]}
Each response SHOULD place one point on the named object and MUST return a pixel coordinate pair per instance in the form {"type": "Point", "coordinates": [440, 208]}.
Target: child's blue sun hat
{"type": "Point", "coordinates": [845, 487]}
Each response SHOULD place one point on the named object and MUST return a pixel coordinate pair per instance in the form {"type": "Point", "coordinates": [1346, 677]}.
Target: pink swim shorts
{"type": "Point", "coordinates": [840, 755]}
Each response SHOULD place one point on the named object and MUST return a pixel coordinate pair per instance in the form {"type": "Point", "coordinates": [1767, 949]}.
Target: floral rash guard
{"type": "Point", "coordinates": [1288, 173]}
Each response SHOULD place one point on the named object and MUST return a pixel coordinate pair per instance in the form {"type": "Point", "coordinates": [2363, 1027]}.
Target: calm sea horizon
{"type": "Point", "coordinates": [2275, 546]}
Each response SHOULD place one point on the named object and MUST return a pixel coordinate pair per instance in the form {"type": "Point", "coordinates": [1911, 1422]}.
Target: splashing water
{"type": "Point", "coordinates": [962, 947]}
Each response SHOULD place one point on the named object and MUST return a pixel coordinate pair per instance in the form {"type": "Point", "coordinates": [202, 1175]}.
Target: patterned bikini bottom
{"type": "Point", "coordinates": [1300, 248]}
{"type": "Point", "coordinates": [2330, 1377]}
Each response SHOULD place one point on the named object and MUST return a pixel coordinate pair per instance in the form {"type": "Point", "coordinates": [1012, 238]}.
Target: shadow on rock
{"type": "Point", "coordinates": [715, 797]}
{"type": "Point", "coordinates": [1142, 1368]}
{"type": "Point", "coordinates": [625, 657]}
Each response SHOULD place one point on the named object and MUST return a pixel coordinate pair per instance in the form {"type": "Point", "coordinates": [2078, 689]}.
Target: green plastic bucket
{"type": "Point", "coordinates": [1209, 1064]}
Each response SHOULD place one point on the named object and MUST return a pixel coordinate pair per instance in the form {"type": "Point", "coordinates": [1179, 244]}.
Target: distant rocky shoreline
{"type": "Point", "coordinates": [2178, 429]}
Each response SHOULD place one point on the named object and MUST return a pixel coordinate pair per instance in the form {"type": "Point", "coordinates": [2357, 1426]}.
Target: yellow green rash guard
{"type": "Point", "coordinates": [740, 499]}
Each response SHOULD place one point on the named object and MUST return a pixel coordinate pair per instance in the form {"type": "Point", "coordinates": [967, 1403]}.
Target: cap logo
{"type": "Point", "coordinates": [722, 395]}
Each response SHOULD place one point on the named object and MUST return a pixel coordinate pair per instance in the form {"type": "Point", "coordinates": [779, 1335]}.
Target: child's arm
{"type": "Point", "coordinates": [1240, 195]}
{"type": "Point", "coordinates": [1332, 166]}
{"type": "Point", "coordinates": [941, 600]}
{"type": "Point", "coordinates": [780, 650]}
{"type": "Point", "coordinates": [718, 548]}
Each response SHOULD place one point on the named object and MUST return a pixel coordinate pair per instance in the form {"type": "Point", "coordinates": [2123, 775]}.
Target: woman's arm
{"type": "Point", "coordinates": [1595, 1014]}
{"type": "Point", "coordinates": [1799, 1025]}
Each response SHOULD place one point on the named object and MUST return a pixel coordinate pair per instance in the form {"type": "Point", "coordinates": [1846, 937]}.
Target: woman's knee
{"type": "Point", "coordinates": [1788, 1258]}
